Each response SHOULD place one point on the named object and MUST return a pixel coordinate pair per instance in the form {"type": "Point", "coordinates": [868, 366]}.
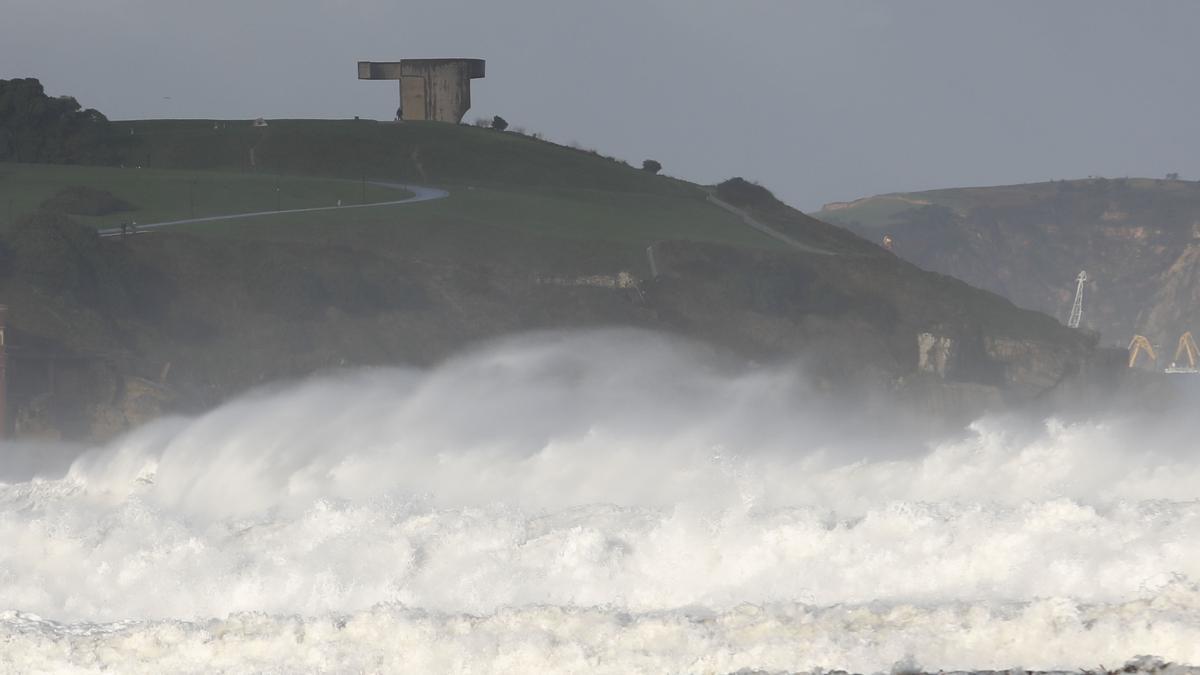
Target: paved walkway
{"type": "Point", "coordinates": [420, 194]}
{"type": "Point", "coordinates": [767, 229]}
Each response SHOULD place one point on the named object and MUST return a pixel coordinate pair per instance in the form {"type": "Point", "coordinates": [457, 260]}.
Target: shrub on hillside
{"type": "Point", "coordinates": [651, 166]}
{"type": "Point", "coordinates": [50, 252]}
{"type": "Point", "coordinates": [79, 200]}
{"type": "Point", "coordinates": [742, 193]}
{"type": "Point", "coordinates": [65, 262]}
{"type": "Point", "coordinates": [499, 123]}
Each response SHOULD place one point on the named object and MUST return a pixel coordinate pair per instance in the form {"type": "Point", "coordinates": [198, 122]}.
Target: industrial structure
{"type": "Point", "coordinates": [437, 90]}
{"type": "Point", "coordinates": [1140, 344]}
{"type": "Point", "coordinates": [1077, 307]}
{"type": "Point", "coordinates": [1186, 348]}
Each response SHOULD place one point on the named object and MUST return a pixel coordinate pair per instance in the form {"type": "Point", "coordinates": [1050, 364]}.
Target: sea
{"type": "Point", "coordinates": [601, 502]}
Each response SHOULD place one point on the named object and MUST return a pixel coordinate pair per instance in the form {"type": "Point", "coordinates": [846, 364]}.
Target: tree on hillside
{"type": "Point", "coordinates": [651, 166]}
{"type": "Point", "coordinates": [499, 123]}
{"type": "Point", "coordinates": [35, 127]}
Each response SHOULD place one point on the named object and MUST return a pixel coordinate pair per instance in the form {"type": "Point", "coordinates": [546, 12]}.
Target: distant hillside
{"type": "Point", "coordinates": [1138, 240]}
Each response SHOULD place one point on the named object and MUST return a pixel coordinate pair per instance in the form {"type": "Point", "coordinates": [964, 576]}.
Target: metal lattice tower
{"type": "Point", "coordinates": [1077, 308]}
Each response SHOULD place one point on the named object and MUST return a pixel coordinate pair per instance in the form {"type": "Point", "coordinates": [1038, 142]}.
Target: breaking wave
{"type": "Point", "coordinates": [596, 502]}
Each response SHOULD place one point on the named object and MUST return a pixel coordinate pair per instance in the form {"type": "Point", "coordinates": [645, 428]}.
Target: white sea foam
{"type": "Point", "coordinates": [600, 502]}
{"type": "Point", "coordinates": [775, 638]}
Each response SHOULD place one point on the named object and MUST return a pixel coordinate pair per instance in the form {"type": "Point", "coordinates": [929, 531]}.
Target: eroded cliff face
{"type": "Point", "coordinates": [1137, 239]}
{"type": "Point", "coordinates": [225, 320]}
{"type": "Point", "coordinates": [1173, 306]}
{"type": "Point", "coordinates": [1018, 368]}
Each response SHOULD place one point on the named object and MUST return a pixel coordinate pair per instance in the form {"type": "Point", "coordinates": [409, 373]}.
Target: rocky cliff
{"type": "Point", "coordinates": [1138, 240]}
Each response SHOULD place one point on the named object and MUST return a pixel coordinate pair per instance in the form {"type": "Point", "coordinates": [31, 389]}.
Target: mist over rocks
{"type": "Point", "coordinates": [549, 410]}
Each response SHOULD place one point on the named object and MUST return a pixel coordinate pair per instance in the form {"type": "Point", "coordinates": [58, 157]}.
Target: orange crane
{"type": "Point", "coordinates": [1137, 345]}
{"type": "Point", "coordinates": [1187, 347]}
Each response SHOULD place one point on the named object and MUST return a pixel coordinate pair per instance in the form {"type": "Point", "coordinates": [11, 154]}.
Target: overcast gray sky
{"type": "Point", "coordinates": [820, 101]}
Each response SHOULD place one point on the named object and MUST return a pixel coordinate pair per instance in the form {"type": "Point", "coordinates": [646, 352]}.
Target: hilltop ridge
{"type": "Point", "coordinates": [430, 152]}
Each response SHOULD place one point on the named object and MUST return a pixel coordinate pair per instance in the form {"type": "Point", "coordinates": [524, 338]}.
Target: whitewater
{"type": "Point", "coordinates": [598, 502]}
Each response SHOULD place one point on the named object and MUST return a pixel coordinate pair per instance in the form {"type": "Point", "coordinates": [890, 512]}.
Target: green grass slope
{"type": "Point", "coordinates": [167, 194]}
{"type": "Point", "coordinates": [564, 230]}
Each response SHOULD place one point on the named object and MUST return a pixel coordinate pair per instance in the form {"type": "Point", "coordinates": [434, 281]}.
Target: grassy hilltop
{"type": "Point", "coordinates": [158, 195]}
{"type": "Point", "coordinates": [418, 152]}
{"type": "Point", "coordinates": [503, 179]}
{"type": "Point", "coordinates": [533, 235]}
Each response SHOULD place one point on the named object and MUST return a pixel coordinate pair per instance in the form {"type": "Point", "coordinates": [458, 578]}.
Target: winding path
{"type": "Point", "coordinates": [766, 229]}
{"type": "Point", "coordinates": [420, 194]}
